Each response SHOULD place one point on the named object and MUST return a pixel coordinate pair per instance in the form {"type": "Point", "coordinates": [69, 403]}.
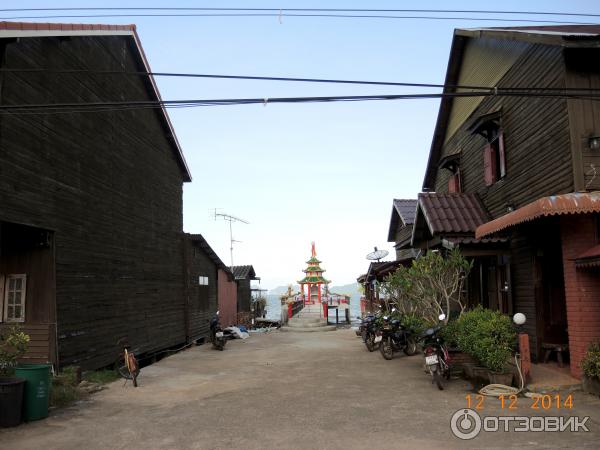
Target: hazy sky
{"type": "Point", "coordinates": [298, 173]}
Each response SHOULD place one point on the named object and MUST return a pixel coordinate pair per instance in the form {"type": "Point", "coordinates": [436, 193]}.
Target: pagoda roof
{"type": "Point", "coordinates": [314, 268]}
{"type": "Point", "coordinates": [313, 260]}
{"type": "Point", "coordinates": [317, 279]}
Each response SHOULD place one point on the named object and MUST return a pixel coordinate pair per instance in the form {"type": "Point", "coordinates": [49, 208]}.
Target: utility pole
{"type": "Point", "coordinates": [229, 218]}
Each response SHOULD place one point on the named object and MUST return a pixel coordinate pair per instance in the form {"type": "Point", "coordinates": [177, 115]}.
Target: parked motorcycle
{"type": "Point", "coordinates": [216, 333]}
{"type": "Point", "coordinates": [394, 338]}
{"type": "Point", "coordinates": [437, 358]}
{"type": "Point", "coordinates": [369, 329]}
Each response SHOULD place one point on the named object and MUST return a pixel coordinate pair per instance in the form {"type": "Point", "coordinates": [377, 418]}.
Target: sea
{"type": "Point", "coordinates": [274, 309]}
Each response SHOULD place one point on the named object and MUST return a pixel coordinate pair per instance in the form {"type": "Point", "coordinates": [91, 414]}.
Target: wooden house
{"type": "Point", "coordinates": [401, 226]}
{"type": "Point", "coordinates": [91, 243]}
{"type": "Point", "coordinates": [210, 287]}
{"type": "Point", "coordinates": [511, 177]}
{"type": "Point", "coordinates": [243, 276]}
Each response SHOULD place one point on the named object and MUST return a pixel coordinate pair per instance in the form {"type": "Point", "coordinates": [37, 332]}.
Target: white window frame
{"type": "Point", "coordinates": [23, 278]}
{"type": "Point", "coordinates": [203, 280]}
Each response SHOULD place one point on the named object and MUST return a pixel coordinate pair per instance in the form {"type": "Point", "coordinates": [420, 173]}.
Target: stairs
{"type": "Point", "coordinates": [307, 321]}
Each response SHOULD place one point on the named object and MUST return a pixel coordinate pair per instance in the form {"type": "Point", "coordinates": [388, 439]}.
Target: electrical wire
{"type": "Point", "coordinates": [336, 16]}
{"type": "Point", "coordinates": [330, 10]}
{"type": "Point", "coordinates": [55, 108]}
{"type": "Point", "coordinates": [294, 79]}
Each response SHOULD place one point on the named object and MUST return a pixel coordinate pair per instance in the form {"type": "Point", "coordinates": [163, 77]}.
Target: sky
{"type": "Point", "coordinates": [307, 172]}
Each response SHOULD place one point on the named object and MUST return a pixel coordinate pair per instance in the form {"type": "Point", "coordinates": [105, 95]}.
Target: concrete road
{"type": "Point", "coordinates": [286, 391]}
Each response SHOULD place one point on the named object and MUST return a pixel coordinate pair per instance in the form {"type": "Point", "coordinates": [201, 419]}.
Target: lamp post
{"type": "Point", "coordinates": [519, 319]}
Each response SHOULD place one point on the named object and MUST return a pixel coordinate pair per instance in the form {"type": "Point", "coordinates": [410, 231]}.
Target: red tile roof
{"type": "Point", "coordinates": [452, 213]}
{"type": "Point", "coordinates": [555, 205]}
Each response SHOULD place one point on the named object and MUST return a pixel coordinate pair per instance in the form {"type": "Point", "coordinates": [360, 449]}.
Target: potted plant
{"type": "Point", "coordinates": [13, 345]}
{"type": "Point", "coordinates": [489, 337]}
{"type": "Point", "coordinates": [591, 369]}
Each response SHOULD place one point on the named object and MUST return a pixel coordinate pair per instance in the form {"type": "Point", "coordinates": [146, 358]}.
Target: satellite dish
{"type": "Point", "coordinates": [377, 255]}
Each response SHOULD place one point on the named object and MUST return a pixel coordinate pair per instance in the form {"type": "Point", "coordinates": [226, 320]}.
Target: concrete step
{"type": "Point", "coordinates": [302, 324]}
{"type": "Point", "coordinates": [309, 329]}
{"type": "Point", "coordinates": [306, 319]}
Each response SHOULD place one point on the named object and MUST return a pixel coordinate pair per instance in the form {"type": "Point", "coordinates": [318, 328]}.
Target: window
{"type": "Point", "coordinates": [14, 298]}
{"type": "Point", "coordinates": [203, 281]}
{"type": "Point", "coordinates": [494, 165]}
{"type": "Point", "coordinates": [454, 182]}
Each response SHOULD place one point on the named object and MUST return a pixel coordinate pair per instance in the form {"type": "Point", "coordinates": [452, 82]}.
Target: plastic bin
{"type": "Point", "coordinates": [11, 401]}
{"type": "Point", "coordinates": [37, 390]}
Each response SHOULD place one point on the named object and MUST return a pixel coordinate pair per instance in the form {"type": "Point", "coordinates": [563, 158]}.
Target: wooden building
{"type": "Point", "coordinates": [510, 178]}
{"type": "Point", "coordinates": [243, 276]}
{"type": "Point", "coordinates": [210, 287]}
{"type": "Point", "coordinates": [401, 226]}
{"type": "Point", "coordinates": [91, 244]}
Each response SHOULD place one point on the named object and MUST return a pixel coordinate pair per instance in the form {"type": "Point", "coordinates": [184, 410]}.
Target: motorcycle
{"type": "Point", "coordinates": [437, 358]}
{"type": "Point", "coordinates": [395, 338]}
{"type": "Point", "coordinates": [367, 331]}
{"type": "Point", "coordinates": [216, 333]}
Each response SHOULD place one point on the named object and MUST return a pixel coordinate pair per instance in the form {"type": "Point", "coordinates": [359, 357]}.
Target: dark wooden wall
{"type": "Point", "coordinates": [536, 138]}
{"type": "Point", "coordinates": [583, 71]}
{"type": "Point", "coordinates": [244, 296]}
{"type": "Point", "coordinates": [202, 300]}
{"type": "Point", "coordinates": [537, 142]}
{"type": "Point", "coordinates": [108, 183]}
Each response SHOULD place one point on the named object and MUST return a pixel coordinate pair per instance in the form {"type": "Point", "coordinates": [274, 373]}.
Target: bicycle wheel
{"type": "Point", "coordinates": [121, 367]}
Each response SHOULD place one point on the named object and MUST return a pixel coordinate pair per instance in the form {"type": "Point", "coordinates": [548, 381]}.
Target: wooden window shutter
{"type": "Point", "coordinates": [502, 168]}
{"type": "Point", "coordinates": [487, 165]}
{"type": "Point", "coordinates": [452, 184]}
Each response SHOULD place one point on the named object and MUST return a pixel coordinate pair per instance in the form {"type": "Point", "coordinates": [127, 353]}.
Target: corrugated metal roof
{"type": "Point", "coordinates": [589, 258]}
{"type": "Point", "coordinates": [243, 272]}
{"type": "Point", "coordinates": [555, 205]}
{"type": "Point", "coordinates": [452, 213]}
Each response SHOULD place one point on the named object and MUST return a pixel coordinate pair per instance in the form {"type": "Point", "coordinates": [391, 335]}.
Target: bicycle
{"type": "Point", "coordinates": [126, 364]}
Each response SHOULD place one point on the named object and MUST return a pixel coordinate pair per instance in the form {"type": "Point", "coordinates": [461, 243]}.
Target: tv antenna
{"type": "Point", "coordinates": [377, 255]}
{"type": "Point", "coordinates": [229, 218]}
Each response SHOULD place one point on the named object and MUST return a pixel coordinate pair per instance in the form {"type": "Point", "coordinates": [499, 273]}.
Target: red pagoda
{"type": "Point", "coordinates": [313, 279]}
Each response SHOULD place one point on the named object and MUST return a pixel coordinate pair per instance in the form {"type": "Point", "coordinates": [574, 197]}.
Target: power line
{"type": "Point", "coordinates": [52, 108]}
{"type": "Point", "coordinates": [282, 14]}
{"type": "Point", "coordinates": [328, 10]}
{"type": "Point", "coordinates": [291, 79]}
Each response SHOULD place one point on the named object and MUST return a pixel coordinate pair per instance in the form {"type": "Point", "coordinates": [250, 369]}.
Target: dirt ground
{"type": "Point", "coordinates": [286, 391]}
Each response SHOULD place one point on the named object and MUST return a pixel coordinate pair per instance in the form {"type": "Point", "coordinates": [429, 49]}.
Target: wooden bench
{"type": "Point", "coordinates": [549, 348]}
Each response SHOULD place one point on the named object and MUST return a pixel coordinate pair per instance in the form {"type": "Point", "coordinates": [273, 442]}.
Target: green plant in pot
{"type": "Point", "coordinates": [13, 345]}
{"type": "Point", "coordinates": [590, 364]}
{"type": "Point", "coordinates": [489, 337]}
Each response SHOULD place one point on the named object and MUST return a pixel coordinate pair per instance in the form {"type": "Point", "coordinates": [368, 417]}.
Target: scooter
{"type": "Point", "coordinates": [216, 333]}
{"type": "Point", "coordinates": [437, 358]}
{"type": "Point", "coordinates": [395, 338]}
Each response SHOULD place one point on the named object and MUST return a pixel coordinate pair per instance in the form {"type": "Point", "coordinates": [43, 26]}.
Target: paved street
{"type": "Point", "coordinates": [284, 391]}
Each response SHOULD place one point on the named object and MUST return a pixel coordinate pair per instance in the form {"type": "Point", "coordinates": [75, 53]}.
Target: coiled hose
{"type": "Point", "coordinates": [497, 390]}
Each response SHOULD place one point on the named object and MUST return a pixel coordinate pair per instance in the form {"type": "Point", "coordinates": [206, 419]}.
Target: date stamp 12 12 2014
{"type": "Point", "coordinates": [512, 402]}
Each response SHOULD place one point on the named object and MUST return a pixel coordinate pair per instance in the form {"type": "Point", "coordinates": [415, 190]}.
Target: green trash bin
{"type": "Point", "coordinates": [37, 390]}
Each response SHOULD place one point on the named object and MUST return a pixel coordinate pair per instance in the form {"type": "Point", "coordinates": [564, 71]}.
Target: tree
{"type": "Point", "coordinates": [431, 286]}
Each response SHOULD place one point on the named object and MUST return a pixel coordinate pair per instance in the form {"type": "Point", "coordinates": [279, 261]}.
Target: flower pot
{"type": "Point", "coordinates": [591, 385]}
{"type": "Point", "coordinates": [481, 374]}
{"type": "Point", "coordinates": [11, 401]}
{"type": "Point", "coordinates": [468, 370]}
{"type": "Point", "coordinates": [504, 378]}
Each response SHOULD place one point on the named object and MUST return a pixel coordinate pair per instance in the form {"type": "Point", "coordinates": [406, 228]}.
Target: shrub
{"type": "Point", "coordinates": [413, 323]}
{"type": "Point", "coordinates": [591, 361]}
{"type": "Point", "coordinates": [450, 333]}
{"type": "Point", "coordinates": [13, 345]}
{"type": "Point", "coordinates": [486, 335]}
